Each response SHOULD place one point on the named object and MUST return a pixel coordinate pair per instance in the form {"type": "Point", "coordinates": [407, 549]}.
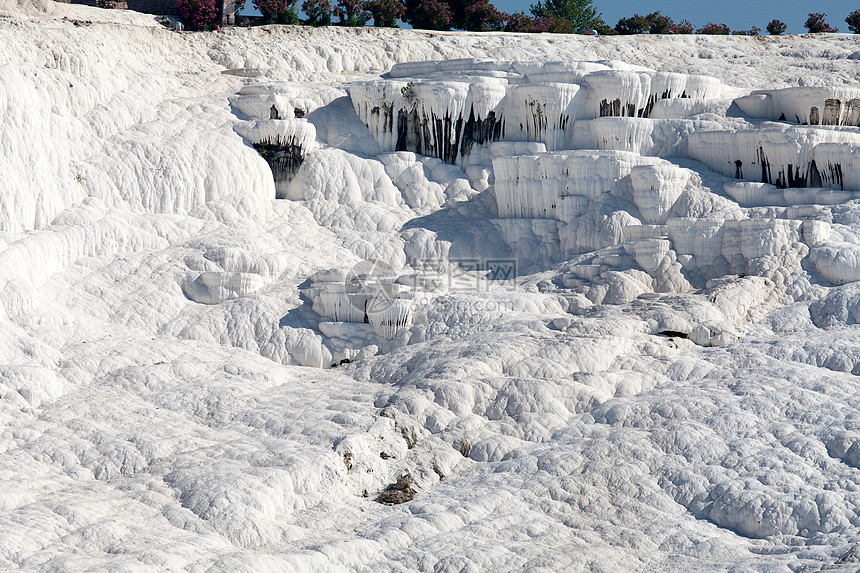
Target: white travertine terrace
{"type": "Point", "coordinates": [785, 156]}
{"type": "Point", "coordinates": [834, 105]}
{"type": "Point", "coordinates": [531, 101]}
{"type": "Point", "coordinates": [634, 117]}
{"type": "Point", "coordinates": [236, 304]}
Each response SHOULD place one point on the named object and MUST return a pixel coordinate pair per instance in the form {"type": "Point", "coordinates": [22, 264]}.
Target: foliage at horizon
{"type": "Point", "coordinates": [776, 28]}
{"type": "Point", "coordinates": [653, 23]}
{"type": "Point", "coordinates": [579, 13]}
{"type": "Point", "coordinates": [481, 16]}
{"type": "Point", "coordinates": [429, 14]}
{"type": "Point", "coordinates": [277, 11]}
{"type": "Point", "coordinates": [197, 14]}
{"type": "Point", "coordinates": [754, 31]}
{"type": "Point", "coordinates": [385, 13]}
{"type": "Point", "coordinates": [351, 13]}
{"type": "Point", "coordinates": [318, 12]}
{"type": "Point", "coordinates": [815, 24]}
{"type": "Point", "coordinates": [711, 29]}
{"type": "Point", "coordinates": [682, 27]}
{"type": "Point", "coordinates": [853, 21]}
{"type": "Point", "coordinates": [547, 16]}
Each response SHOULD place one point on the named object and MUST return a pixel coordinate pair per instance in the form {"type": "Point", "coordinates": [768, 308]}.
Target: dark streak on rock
{"type": "Point", "coordinates": [284, 157]}
{"type": "Point", "coordinates": [445, 137]}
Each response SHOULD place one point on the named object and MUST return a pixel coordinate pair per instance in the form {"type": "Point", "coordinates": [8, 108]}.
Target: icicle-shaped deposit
{"type": "Point", "coordinates": [283, 143]}
{"type": "Point", "coordinates": [837, 105]}
{"type": "Point", "coordinates": [441, 119]}
{"type": "Point", "coordinates": [387, 316]}
{"type": "Point", "coordinates": [782, 156]}
{"type": "Point", "coordinates": [541, 112]}
{"type": "Point", "coordinates": [386, 307]}
{"type": "Point", "coordinates": [519, 101]}
{"type": "Point", "coordinates": [633, 94]}
{"type": "Point", "coordinates": [559, 185]}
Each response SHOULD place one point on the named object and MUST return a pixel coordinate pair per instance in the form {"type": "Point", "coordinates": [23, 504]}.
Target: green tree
{"type": "Point", "coordinates": [580, 13]}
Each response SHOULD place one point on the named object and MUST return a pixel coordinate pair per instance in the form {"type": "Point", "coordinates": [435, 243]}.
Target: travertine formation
{"type": "Point", "coordinates": [595, 342]}
{"type": "Point", "coordinates": [595, 157]}
{"type": "Point", "coordinates": [615, 173]}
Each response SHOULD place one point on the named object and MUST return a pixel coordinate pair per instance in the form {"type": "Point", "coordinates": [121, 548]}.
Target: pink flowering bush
{"type": "Point", "coordinates": [658, 23]}
{"type": "Point", "coordinates": [197, 14]}
{"type": "Point", "coordinates": [776, 28]}
{"type": "Point", "coordinates": [853, 21]}
{"type": "Point", "coordinates": [601, 27]}
{"type": "Point", "coordinates": [816, 24]}
{"type": "Point", "coordinates": [712, 29]}
{"type": "Point", "coordinates": [653, 23]}
{"type": "Point", "coordinates": [429, 14]}
{"type": "Point", "coordinates": [754, 31]}
{"type": "Point", "coordinates": [554, 25]}
{"type": "Point", "coordinates": [635, 24]}
{"type": "Point", "coordinates": [351, 13]}
{"type": "Point", "coordinates": [318, 12]}
{"type": "Point", "coordinates": [682, 27]}
{"type": "Point", "coordinates": [481, 16]}
{"type": "Point", "coordinates": [518, 22]}
{"type": "Point", "coordinates": [385, 13]}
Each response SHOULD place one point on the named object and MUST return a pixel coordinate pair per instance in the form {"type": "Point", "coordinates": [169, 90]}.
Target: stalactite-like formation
{"type": "Point", "coordinates": [384, 306]}
{"type": "Point", "coordinates": [442, 119]}
{"type": "Point", "coordinates": [838, 106]}
{"type": "Point", "coordinates": [283, 143]}
{"type": "Point", "coordinates": [447, 118]}
{"type": "Point", "coordinates": [782, 156]}
{"type": "Point", "coordinates": [284, 156]}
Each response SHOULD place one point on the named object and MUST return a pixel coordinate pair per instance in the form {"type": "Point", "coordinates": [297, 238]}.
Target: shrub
{"type": "Point", "coordinates": [556, 25]}
{"type": "Point", "coordinates": [754, 31]}
{"type": "Point", "coordinates": [573, 15]}
{"type": "Point", "coordinates": [658, 24]}
{"type": "Point", "coordinates": [277, 11]}
{"type": "Point", "coordinates": [351, 13]}
{"type": "Point", "coordinates": [481, 16]}
{"type": "Point", "coordinates": [518, 22]}
{"type": "Point", "coordinates": [429, 14]}
{"type": "Point", "coordinates": [635, 24]}
{"type": "Point", "coordinates": [318, 12]}
{"type": "Point", "coordinates": [776, 28]}
{"type": "Point", "coordinates": [197, 14]}
{"type": "Point", "coordinates": [385, 13]}
{"type": "Point", "coordinates": [712, 29]}
{"type": "Point", "coordinates": [602, 27]}
{"type": "Point", "coordinates": [682, 27]}
{"type": "Point", "coordinates": [816, 25]}
{"type": "Point", "coordinates": [653, 23]}
{"type": "Point", "coordinates": [853, 21]}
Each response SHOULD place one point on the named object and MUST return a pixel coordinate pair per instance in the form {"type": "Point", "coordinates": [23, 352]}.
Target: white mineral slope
{"type": "Point", "coordinates": [165, 397]}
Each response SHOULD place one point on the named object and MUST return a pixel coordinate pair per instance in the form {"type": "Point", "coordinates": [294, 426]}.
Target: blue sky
{"type": "Point", "coordinates": [737, 14]}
